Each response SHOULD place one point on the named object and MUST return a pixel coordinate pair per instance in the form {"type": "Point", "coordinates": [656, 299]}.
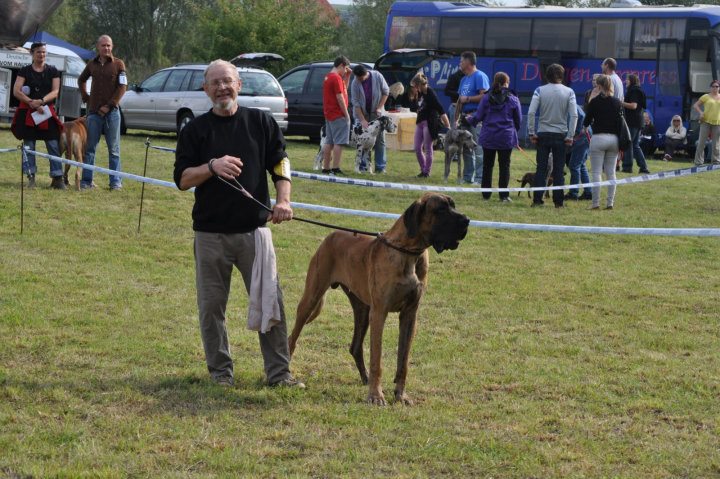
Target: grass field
{"type": "Point", "coordinates": [538, 355]}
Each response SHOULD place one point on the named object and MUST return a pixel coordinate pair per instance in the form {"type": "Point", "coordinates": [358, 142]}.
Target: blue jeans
{"type": "Point", "coordinates": [473, 160]}
{"type": "Point", "coordinates": [634, 152]}
{"type": "Point", "coordinates": [550, 143]}
{"type": "Point", "coordinates": [29, 164]}
{"type": "Point", "coordinates": [109, 125]}
{"type": "Point", "coordinates": [578, 170]}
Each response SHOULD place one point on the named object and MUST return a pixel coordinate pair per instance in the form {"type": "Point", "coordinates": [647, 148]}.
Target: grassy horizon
{"type": "Point", "coordinates": [537, 354]}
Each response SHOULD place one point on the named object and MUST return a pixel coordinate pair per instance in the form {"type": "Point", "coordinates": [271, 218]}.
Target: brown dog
{"type": "Point", "coordinates": [379, 276]}
{"type": "Point", "coordinates": [73, 141]}
{"type": "Point", "coordinates": [529, 179]}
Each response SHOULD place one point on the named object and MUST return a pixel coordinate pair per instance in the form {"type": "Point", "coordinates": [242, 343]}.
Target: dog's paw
{"type": "Point", "coordinates": [403, 399]}
{"type": "Point", "coordinates": [376, 399]}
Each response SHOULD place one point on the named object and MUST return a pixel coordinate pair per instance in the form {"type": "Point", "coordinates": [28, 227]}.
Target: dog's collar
{"type": "Point", "coordinates": [384, 241]}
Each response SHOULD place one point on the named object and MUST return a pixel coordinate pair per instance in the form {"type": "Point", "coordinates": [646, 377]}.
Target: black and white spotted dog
{"type": "Point", "coordinates": [319, 156]}
{"type": "Point", "coordinates": [365, 140]}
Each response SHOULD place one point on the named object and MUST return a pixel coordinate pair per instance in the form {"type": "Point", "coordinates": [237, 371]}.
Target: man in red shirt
{"type": "Point", "coordinates": [337, 117]}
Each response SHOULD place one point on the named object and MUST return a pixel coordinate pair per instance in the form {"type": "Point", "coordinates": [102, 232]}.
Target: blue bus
{"type": "Point", "coordinates": [673, 50]}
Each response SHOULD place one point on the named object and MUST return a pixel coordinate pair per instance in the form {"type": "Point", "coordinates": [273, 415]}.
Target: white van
{"type": "Point", "coordinates": [20, 20]}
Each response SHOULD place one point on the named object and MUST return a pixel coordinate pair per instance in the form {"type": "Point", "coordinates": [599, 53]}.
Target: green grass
{"type": "Point", "coordinates": [537, 354]}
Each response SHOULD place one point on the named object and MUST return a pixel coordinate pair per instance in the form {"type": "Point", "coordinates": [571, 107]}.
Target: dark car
{"type": "Point", "coordinates": [303, 85]}
{"type": "Point", "coordinates": [303, 89]}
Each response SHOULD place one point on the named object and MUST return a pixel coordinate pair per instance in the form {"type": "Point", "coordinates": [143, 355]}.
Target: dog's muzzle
{"type": "Point", "coordinates": [448, 233]}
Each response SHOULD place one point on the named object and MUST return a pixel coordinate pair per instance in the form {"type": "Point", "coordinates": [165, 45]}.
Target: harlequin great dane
{"type": "Point", "coordinates": [365, 140]}
{"type": "Point", "coordinates": [379, 276]}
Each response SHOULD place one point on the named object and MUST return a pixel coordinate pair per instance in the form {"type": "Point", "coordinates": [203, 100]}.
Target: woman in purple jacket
{"type": "Point", "coordinates": [500, 114]}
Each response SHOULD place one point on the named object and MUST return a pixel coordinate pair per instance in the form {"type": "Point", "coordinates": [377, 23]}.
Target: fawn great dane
{"type": "Point", "coordinates": [379, 276]}
{"type": "Point", "coordinates": [73, 142]}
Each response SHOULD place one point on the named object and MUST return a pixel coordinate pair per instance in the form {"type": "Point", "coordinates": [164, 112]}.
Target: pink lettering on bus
{"type": "Point", "coordinates": [645, 76]}
{"type": "Point", "coordinates": [530, 71]}
{"type": "Point", "coordinates": [578, 75]}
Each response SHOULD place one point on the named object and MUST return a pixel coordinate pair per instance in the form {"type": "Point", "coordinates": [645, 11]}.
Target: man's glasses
{"type": "Point", "coordinates": [221, 83]}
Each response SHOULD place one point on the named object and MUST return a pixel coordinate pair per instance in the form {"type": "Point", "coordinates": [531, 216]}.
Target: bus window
{"type": "Point", "coordinates": [414, 32]}
{"type": "Point", "coordinates": [507, 37]}
{"type": "Point", "coordinates": [461, 34]}
{"type": "Point", "coordinates": [556, 35]}
{"type": "Point", "coordinates": [605, 37]}
{"type": "Point", "coordinates": [647, 32]}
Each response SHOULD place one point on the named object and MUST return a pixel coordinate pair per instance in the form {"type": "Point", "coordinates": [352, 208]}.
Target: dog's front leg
{"type": "Point", "coordinates": [377, 323]}
{"type": "Point", "coordinates": [448, 160]}
{"type": "Point", "coordinates": [408, 325]}
{"type": "Point", "coordinates": [460, 158]}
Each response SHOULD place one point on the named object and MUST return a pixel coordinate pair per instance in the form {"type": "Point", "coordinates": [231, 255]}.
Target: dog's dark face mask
{"type": "Point", "coordinates": [448, 228]}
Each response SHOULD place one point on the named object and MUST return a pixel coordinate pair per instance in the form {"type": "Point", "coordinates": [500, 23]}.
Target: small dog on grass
{"type": "Point", "coordinates": [529, 179]}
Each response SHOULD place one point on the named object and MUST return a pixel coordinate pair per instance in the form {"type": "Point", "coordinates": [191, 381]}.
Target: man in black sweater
{"type": "Point", "coordinates": [451, 90]}
{"type": "Point", "coordinates": [231, 145]}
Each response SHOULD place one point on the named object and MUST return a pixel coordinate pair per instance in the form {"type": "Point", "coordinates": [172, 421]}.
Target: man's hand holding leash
{"type": "Point", "coordinates": [227, 166]}
{"type": "Point", "coordinates": [282, 210]}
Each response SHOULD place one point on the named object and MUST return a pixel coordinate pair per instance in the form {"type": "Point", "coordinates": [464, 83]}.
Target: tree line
{"type": "Point", "coordinates": [153, 34]}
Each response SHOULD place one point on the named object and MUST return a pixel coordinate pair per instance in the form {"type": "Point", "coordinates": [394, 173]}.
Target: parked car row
{"type": "Point", "coordinates": [170, 98]}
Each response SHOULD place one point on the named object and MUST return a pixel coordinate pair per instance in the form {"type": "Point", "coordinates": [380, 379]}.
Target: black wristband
{"type": "Point", "coordinates": [214, 173]}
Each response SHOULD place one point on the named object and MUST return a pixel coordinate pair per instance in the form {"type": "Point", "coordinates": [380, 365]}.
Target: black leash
{"type": "Point", "coordinates": [238, 187]}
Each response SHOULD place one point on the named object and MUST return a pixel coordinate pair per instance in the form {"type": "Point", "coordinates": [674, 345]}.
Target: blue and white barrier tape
{"type": "Point", "coordinates": [161, 148]}
{"type": "Point", "coordinates": [702, 232]}
{"type": "Point", "coordinates": [532, 227]}
{"type": "Point", "coordinates": [457, 189]}
{"type": "Point", "coordinates": [100, 169]}
{"type": "Point", "coordinates": [8, 150]}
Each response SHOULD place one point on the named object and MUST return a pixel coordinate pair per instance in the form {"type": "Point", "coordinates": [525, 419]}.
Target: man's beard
{"type": "Point", "coordinates": [226, 105]}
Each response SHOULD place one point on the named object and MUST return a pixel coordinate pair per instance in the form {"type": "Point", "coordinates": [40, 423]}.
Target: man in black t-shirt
{"type": "Point", "coordinates": [231, 148]}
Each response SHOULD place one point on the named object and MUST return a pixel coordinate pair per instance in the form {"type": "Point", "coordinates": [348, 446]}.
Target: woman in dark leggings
{"type": "Point", "coordinates": [500, 114]}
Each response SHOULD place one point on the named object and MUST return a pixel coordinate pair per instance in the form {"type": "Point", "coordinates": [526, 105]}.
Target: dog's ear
{"type": "Point", "coordinates": [412, 217]}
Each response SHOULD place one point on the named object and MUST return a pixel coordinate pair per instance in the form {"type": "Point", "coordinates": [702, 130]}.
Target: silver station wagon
{"type": "Point", "coordinates": [170, 98]}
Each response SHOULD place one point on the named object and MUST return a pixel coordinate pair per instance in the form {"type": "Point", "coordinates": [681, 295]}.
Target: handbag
{"type": "Point", "coordinates": [624, 138]}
